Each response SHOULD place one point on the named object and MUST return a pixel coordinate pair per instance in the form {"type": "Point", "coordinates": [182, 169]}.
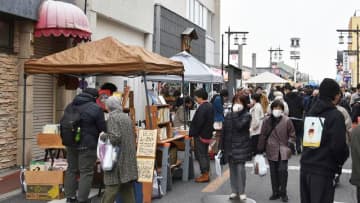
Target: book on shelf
{"type": "Point", "coordinates": [163, 133]}
{"type": "Point", "coordinates": [163, 115]}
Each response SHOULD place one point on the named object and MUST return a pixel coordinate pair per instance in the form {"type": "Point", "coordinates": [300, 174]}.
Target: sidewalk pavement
{"type": "Point", "coordinates": [10, 184]}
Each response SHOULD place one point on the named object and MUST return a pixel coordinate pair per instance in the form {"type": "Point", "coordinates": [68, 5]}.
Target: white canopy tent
{"type": "Point", "coordinates": [195, 71]}
{"type": "Point", "coordinates": [266, 77]}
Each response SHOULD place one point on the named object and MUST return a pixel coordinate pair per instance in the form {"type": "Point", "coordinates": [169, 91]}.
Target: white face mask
{"type": "Point", "coordinates": [237, 107]}
{"type": "Point", "coordinates": [277, 113]}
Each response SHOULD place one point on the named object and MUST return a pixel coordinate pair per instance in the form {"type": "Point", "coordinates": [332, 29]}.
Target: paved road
{"type": "Point", "coordinates": [258, 188]}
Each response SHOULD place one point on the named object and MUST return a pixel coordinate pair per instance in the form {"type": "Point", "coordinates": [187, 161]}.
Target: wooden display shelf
{"type": "Point", "coordinates": [47, 141]}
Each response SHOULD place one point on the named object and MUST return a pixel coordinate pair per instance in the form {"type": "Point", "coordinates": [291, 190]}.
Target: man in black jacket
{"type": "Point", "coordinates": [296, 110]}
{"type": "Point", "coordinates": [201, 129]}
{"type": "Point", "coordinates": [82, 158]}
{"type": "Point", "coordinates": [320, 164]}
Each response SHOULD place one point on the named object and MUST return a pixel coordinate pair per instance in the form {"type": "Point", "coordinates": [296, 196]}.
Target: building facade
{"type": "Point", "coordinates": [45, 99]}
{"type": "Point", "coordinates": [353, 24]}
{"type": "Point", "coordinates": [205, 17]}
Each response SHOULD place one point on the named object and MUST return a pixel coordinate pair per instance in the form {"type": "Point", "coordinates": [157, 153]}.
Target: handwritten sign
{"type": "Point", "coordinates": [145, 169]}
{"type": "Point", "coordinates": [147, 143]}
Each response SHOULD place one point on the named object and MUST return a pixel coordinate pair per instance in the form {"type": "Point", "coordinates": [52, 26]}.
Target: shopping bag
{"type": "Point", "coordinates": [218, 166]}
{"type": "Point", "coordinates": [107, 154]}
{"type": "Point", "coordinates": [157, 190]}
{"type": "Point", "coordinates": [260, 167]}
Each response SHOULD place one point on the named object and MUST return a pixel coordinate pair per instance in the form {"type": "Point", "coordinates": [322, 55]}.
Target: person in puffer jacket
{"type": "Point", "coordinates": [236, 146]}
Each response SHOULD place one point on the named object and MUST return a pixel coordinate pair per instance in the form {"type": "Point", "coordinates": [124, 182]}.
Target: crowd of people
{"type": "Point", "coordinates": [258, 122]}
{"type": "Point", "coordinates": [273, 124]}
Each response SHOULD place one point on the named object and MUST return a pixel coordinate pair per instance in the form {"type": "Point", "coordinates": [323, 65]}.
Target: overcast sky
{"type": "Point", "coordinates": [272, 23]}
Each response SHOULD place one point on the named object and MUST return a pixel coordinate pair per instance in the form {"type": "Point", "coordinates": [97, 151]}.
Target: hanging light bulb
{"type": "Point", "coordinates": [349, 38]}
{"type": "Point", "coordinates": [236, 40]}
{"type": "Point", "coordinates": [341, 39]}
{"type": "Point", "coordinates": [244, 40]}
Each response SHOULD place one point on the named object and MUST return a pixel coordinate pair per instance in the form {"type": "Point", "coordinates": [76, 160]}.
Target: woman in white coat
{"type": "Point", "coordinates": [257, 115]}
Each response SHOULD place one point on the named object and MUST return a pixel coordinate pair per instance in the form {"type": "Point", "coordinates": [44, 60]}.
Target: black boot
{"type": "Point", "coordinates": [274, 197]}
{"type": "Point", "coordinates": [284, 198]}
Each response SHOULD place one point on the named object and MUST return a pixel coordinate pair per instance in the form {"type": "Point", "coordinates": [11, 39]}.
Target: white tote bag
{"type": "Point", "coordinates": [107, 154]}
{"type": "Point", "coordinates": [260, 167]}
{"type": "Point", "coordinates": [218, 166]}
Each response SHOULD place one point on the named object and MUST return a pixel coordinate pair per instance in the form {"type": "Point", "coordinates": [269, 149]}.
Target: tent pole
{"type": "Point", "coordinates": [183, 92]}
{"type": "Point", "coordinates": [24, 127]}
{"type": "Point", "coordinates": [147, 100]}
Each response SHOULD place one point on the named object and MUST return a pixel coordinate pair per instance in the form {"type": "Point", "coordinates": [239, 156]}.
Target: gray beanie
{"type": "Point", "coordinates": [113, 103]}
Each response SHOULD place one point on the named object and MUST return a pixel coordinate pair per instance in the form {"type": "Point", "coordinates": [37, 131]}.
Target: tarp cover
{"type": "Point", "coordinates": [195, 71]}
{"type": "Point", "coordinates": [266, 77]}
{"type": "Point", "coordinates": [104, 57]}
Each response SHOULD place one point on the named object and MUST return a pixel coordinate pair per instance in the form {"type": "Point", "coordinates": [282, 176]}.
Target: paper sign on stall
{"type": "Point", "coordinates": [147, 143]}
{"type": "Point", "coordinates": [145, 169]}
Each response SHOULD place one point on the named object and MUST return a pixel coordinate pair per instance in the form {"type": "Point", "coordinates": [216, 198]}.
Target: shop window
{"type": "Point", "coordinates": [6, 35]}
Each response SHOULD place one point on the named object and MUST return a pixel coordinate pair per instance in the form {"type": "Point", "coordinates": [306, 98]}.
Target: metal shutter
{"type": "Point", "coordinates": [43, 91]}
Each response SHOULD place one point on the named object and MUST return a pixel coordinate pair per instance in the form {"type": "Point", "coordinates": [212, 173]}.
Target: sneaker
{"type": "Point", "coordinates": [243, 197]}
{"type": "Point", "coordinates": [274, 197]}
{"type": "Point", "coordinates": [233, 196]}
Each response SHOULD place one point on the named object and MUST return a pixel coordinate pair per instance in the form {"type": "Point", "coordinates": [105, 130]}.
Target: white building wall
{"type": "Point", "coordinates": [177, 6]}
{"type": "Point", "coordinates": [131, 22]}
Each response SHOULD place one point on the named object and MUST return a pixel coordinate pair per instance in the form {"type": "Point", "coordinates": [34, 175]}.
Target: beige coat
{"type": "Point", "coordinates": [279, 139]}
{"type": "Point", "coordinates": [257, 116]}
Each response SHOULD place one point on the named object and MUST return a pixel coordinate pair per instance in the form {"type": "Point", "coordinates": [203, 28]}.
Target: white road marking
{"type": "Point", "coordinates": [297, 168]}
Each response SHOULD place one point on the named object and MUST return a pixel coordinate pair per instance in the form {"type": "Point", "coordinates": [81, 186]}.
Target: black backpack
{"type": "Point", "coordinates": [69, 124]}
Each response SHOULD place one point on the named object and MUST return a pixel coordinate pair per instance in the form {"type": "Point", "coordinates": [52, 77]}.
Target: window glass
{"type": "Point", "coordinates": [209, 23]}
{"type": "Point", "coordinates": [4, 34]}
{"type": "Point", "coordinates": [205, 16]}
{"type": "Point", "coordinates": [201, 16]}
{"type": "Point", "coordinates": [197, 13]}
{"type": "Point", "coordinates": [191, 10]}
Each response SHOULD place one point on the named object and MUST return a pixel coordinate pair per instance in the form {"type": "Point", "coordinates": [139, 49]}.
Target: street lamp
{"type": "Point", "coordinates": [240, 47]}
{"type": "Point", "coordinates": [278, 52]}
{"type": "Point", "coordinates": [350, 40]}
{"type": "Point", "coordinates": [295, 54]}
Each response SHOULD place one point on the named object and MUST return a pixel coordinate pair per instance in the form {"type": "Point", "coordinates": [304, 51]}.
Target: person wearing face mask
{"type": "Point", "coordinates": [276, 138]}
{"type": "Point", "coordinates": [236, 146]}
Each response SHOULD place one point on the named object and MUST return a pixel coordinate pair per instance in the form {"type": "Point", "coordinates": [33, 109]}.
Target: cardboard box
{"type": "Point", "coordinates": [44, 185]}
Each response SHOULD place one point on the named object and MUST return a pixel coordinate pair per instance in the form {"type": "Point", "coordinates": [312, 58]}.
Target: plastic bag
{"type": "Point", "coordinates": [218, 166]}
{"type": "Point", "coordinates": [107, 154]}
{"type": "Point", "coordinates": [157, 191]}
{"type": "Point", "coordinates": [260, 167]}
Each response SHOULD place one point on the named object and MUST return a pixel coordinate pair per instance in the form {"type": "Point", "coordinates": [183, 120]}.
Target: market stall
{"type": "Point", "coordinates": [266, 78]}
{"type": "Point", "coordinates": [195, 71]}
{"type": "Point", "coordinates": [103, 57]}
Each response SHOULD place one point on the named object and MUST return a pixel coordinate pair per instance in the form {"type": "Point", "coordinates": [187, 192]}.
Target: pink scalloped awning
{"type": "Point", "coordinates": [59, 18]}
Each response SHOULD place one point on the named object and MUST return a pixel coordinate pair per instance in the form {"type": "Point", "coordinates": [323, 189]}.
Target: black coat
{"type": "Point", "coordinates": [327, 159]}
{"type": "Point", "coordinates": [92, 120]}
{"type": "Point", "coordinates": [203, 121]}
{"type": "Point", "coordinates": [295, 104]}
{"type": "Point", "coordinates": [235, 140]}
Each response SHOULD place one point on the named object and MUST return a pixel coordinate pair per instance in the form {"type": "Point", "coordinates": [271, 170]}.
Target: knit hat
{"type": "Point", "coordinates": [328, 89]}
{"type": "Point", "coordinates": [92, 91]}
